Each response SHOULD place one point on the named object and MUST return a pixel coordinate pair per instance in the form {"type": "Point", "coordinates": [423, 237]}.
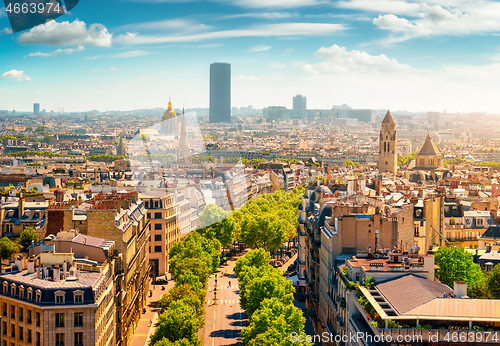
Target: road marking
{"type": "Point", "coordinates": [213, 339]}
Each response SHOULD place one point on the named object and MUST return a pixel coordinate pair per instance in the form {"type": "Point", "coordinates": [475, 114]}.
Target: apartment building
{"type": "Point", "coordinates": [163, 212]}
{"type": "Point", "coordinates": [408, 306]}
{"type": "Point", "coordinates": [16, 216]}
{"type": "Point", "coordinates": [57, 298]}
{"type": "Point", "coordinates": [331, 228]}
{"type": "Point", "coordinates": [120, 217]}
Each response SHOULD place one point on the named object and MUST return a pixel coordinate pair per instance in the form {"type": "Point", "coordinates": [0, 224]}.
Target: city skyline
{"type": "Point", "coordinates": [133, 54]}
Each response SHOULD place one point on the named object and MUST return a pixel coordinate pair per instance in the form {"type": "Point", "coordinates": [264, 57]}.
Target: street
{"type": "Point", "coordinates": [224, 318]}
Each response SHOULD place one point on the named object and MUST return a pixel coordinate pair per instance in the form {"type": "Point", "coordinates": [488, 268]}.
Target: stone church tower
{"type": "Point", "coordinates": [388, 152]}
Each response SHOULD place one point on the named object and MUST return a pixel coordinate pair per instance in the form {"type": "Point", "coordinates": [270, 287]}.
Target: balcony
{"type": "Point", "coordinates": [454, 226]}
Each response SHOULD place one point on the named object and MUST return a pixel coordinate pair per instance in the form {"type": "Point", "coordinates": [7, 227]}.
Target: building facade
{"type": "Point", "coordinates": [55, 298]}
{"type": "Point", "coordinates": [162, 211]}
{"type": "Point", "coordinates": [220, 93]}
{"type": "Point", "coordinates": [299, 103]}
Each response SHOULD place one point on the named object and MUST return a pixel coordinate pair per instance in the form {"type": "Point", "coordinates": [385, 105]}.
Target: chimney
{"type": "Point", "coordinates": [57, 274]}
{"type": "Point", "coordinates": [459, 289]}
{"type": "Point", "coordinates": [20, 206]}
{"type": "Point", "coordinates": [65, 269]}
{"type": "Point", "coordinates": [77, 274]}
{"type": "Point", "coordinates": [19, 263]}
{"type": "Point", "coordinates": [31, 266]}
{"type": "Point", "coordinates": [38, 273]}
{"type": "Point", "coordinates": [45, 273]}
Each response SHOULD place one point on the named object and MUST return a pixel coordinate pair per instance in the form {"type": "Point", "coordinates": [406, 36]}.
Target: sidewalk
{"type": "Point", "coordinates": [143, 329]}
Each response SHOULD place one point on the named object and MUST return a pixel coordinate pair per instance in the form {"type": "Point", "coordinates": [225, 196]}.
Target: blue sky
{"type": "Point", "coordinates": [129, 54]}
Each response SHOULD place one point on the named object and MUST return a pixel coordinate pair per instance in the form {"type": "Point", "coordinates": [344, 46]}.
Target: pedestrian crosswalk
{"type": "Point", "coordinates": [223, 301]}
{"type": "Point", "coordinates": [221, 287]}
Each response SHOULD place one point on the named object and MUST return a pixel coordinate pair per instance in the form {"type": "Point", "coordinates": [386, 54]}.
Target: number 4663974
{"type": "Point", "coordinates": [26, 7]}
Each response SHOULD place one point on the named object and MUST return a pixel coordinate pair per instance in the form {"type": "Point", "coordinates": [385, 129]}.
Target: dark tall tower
{"type": "Point", "coordinates": [220, 93]}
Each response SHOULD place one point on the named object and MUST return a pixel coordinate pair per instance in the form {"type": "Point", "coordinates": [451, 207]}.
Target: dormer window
{"type": "Point", "coordinates": [21, 292]}
{"type": "Point", "coordinates": [13, 290]}
{"type": "Point", "coordinates": [480, 221]}
{"type": "Point", "coordinates": [5, 287]}
{"type": "Point", "coordinates": [30, 294]}
{"type": "Point", "coordinates": [36, 215]}
{"type": "Point", "coordinates": [78, 297]}
{"type": "Point", "coordinates": [59, 297]}
{"type": "Point", "coordinates": [10, 213]}
{"type": "Point", "coordinates": [26, 214]}
{"type": "Point", "coordinates": [38, 294]}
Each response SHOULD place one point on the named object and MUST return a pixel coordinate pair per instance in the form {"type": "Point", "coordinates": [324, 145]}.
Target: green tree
{"type": "Point", "coordinates": [176, 323]}
{"type": "Point", "coordinates": [27, 236]}
{"type": "Point", "coordinates": [219, 224]}
{"type": "Point", "coordinates": [181, 342]}
{"type": "Point", "coordinates": [195, 255]}
{"type": "Point", "coordinates": [185, 293]}
{"type": "Point", "coordinates": [456, 264]}
{"type": "Point", "coordinates": [7, 249]}
{"type": "Point", "coordinates": [273, 324]}
{"type": "Point", "coordinates": [255, 258]}
{"type": "Point", "coordinates": [258, 283]}
{"type": "Point", "coordinates": [194, 283]}
{"type": "Point", "coordinates": [493, 282]}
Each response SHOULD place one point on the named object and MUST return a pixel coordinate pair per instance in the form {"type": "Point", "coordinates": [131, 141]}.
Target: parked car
{"type": "Point", "coordinates": [161, 280]}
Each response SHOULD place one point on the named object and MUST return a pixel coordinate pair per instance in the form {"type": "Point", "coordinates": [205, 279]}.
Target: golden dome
{"type": "Point", "coordinates": [169, 113]}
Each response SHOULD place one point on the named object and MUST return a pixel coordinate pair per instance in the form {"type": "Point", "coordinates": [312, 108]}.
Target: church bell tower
{"type": "Point", "coordinates": [388, 152]}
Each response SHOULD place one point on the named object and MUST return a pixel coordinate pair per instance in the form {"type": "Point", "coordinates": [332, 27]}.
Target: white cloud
{"type": "Point", "coordinates": [401, 7]}
{"type": "Point", "coordinates": [276, 76]}
{"type": "Point", "coordinates": [178, 24]}
{"type": "Point", "coordinates": [6, 31]}
{"type": "Point", "coordinates": [250, 3]}
{"type": "Point", "coordinates": [58, 51]}
{"type": "Point", "coordinates": [280, 66]}
{"type": "Point", "coordinates": [15, 74]}
{"type": "Point", "coordinates": [66, 33]}
{"type": "Point", "coordinates": [283, 29]}
{"type": "Point", "coordinates": [363, 80]}
{"type": "Point", "coordinates": [275, 3]}
{"type": "Point", "coordinates": [407, 19]}
{"type": "Point", "coordinates": [111, 69]}
{"type": "Point", "coordinates": [338, 60]}
{"type": "Point", "coordinates": [263, 15]}
{"type": "Point", "coordinates": [130, 54]}
{"type": "Point", "coordinates": [38, 92]}
{"type": "Point", "coordinates": [246, 78]}
{"type": "Point", "coordinates": [260, 48]}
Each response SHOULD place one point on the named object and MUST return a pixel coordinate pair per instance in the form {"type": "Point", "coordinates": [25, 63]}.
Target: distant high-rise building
{"type": "Point", "coordinates": [388, 153]}
{"type": "Point", "coordinates": [299, 103]}
{"type": "Point", "coordinates": [36, 109]}
{"type": "Point", "coordinates": [220, 93]}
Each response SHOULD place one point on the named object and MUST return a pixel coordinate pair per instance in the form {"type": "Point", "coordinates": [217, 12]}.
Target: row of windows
{"type": "Point", "coordinates": [15, 290]}
{"type": "Point", "coordinates": [20, 314]}
{"type": "Point", "coordinates": [29, 335]}
{"type": "Point", "coordinates": [156, 203]}
{"type": "Point", "coordinates": [159, 215]}
{"type": "Point", "coordinates": [78, 319]}
{"type": "Point", "coordinates": [60, 337]}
